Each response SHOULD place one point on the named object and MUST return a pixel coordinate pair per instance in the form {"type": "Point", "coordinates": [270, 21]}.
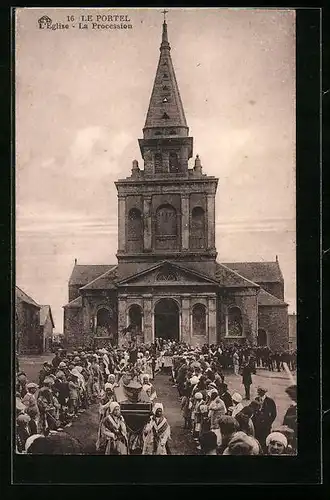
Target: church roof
{"type": "Point", "coordinates": [165, 107]}
{"type": "Point", "coordinates": [258, 272]}
{"type": "Point", "coordinates": [85, 273]}
{"type": "Point", "coordinates": [24, 297]}
{"type": "Point", "coordinates": [229, 278]}
{"type": "Point", "coordinates": [45, 311]}
{"type": "Point", "coordinates": [104, 281]}
{"type": "Point", "coordinates": [76, 303]}
{"type": "Point", "coordinates": [266, 299]}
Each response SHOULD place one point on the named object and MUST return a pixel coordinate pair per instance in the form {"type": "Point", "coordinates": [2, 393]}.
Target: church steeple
{"type": "Point", "coordinates": [166, 146]}
{"type": "Point", "coordinates": [166, 210]}
{"type": "Point", "coordinates": [165, 107]}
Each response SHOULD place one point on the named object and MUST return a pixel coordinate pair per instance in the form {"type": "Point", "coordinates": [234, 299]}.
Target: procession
{"type": "Point", "coordinates": [120, 383]}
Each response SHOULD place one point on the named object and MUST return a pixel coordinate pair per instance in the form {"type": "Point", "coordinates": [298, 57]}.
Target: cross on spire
{"type": "Point", "coordinates": [164, 12]}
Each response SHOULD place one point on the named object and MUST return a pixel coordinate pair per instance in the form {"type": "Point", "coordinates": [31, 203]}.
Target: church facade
{"type": "Point", "coordinates": [167, 281]}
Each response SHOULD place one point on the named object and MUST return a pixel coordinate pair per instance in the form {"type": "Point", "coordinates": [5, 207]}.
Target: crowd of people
{"type": "Point", "coordinates": [219, 421]}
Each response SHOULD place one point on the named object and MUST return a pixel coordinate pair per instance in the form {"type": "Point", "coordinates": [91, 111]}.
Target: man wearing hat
{"type": "Point", "coordinates": [225, 395]}
{"type": "Point", "coordinates": [263, 419]}
{"type": "Point", "coordinates": [247, 371]}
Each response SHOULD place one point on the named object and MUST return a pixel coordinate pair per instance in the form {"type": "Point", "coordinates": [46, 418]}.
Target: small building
{"type": "Point", "coordinates": [27, 325]}
{"type": "Point", "coordinates": [46, 326]}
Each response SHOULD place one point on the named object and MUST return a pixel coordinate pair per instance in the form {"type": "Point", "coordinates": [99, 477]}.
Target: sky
{"type": "Point", "coordinates": [81, 100]}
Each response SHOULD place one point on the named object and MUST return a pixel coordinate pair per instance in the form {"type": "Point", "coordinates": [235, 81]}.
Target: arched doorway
{"type": "Point", "coordinates": [167, 318]}
{"type": "Point", "coordinates": [262, 338]}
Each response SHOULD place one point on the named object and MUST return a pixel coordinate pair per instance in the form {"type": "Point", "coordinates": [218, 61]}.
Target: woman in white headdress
{"type": "Point", "coordinates": [113, 435]}
{"type": "Point", "coordinates": [148, 367]}
{"type": "Point", "coordinates": [156, 433]}
{"type": "Point", "coordinates": [148, 387]}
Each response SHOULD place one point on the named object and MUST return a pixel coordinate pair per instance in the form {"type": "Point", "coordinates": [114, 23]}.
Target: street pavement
{"type": "Point", "coordinates": [84, 428]}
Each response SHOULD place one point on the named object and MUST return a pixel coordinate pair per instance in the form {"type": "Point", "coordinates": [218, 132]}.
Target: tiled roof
{"type": "Point", "coordinates": [76, 303]}
{"type": "Point", "coordinates": [25, 298]}
{"type": "Point", "coordinates": [104, 281]}
{"type": "Point", "coordinates": [44, 312]}
{"type": "Point", "coordinates": [258, 272]}
{"type": "Point", "coordinates": [85, 273]}
{"type": "Point", "coordinates": [266, 299]}
{"type": "Point", "coordinates": [228, 277]}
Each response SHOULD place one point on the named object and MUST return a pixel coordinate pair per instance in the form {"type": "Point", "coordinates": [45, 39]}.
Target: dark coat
{"type": "Point", "coordinates": [290, 417]}
{"type": "Point", "coordinates": [226, 398]}
{"type": "Point", "coordinates": [246, 374]}
{"type": "Point", "coordinates": [264, 418]}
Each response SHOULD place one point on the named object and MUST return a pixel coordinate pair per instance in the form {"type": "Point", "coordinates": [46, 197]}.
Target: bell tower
{"type": "Point", "coordinates": [166, 211]}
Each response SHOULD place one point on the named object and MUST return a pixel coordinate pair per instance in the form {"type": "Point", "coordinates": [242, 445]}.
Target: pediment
{"type": "Point", "coordinates": [165, 274]}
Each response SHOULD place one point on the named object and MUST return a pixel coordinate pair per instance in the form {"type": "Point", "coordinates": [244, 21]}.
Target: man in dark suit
{"type": "Point", "coordinates": [247, 370]}
{"type": "Point", "coordinates": [264, 417]}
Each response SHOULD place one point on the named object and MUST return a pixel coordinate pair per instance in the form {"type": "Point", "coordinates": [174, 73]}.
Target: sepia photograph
{"type": "Point", "coordinates": [155, 187]}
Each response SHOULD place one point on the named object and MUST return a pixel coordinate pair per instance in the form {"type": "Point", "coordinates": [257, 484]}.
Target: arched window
{"type": "Point", "coordinates": [158, 163]}
{"type": "Point", "coordinates": [173, 162]}
{"type": "Point", "coordinates": [197, 229]}
{"type": "Point", "coordinates": [135, 230]}
{"type": "Point", "coordinates": [165, 116]}
{"type": "Point", "coordinates": [135, 318]}
{"type": "Point", "coordinates": [235, 322]}
{"type": "Point", "coordinates": [199, 319]}
{"type": "Point", "coordinates": [166, 230]}
{"type": "Point", "coordinates": [104, 322]}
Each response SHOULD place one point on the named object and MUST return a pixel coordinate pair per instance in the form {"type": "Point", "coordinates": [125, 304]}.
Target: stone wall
{"type": "Point", "coordinates": [246, 300]}
{"type": "Point", "coordinates": [274, 320]}
{"type": "Point", "coordinates": [73, 328]}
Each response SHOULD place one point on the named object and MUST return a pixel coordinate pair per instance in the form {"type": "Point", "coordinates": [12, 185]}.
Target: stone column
{"type": "Point", "coordinates": [147, 318]}
{"type": "Point", "coordinates": [185, 321]}
{"type": "Point", "coordinates": [122, 315]}
{"type": "Point", "coordinates": [121, 223]}
{"type": "Point", "coordinates": [185, 221]}
{"type": "Point", "coordinates": [211, 221]}
{"type": "Point", "coordinates": [147, 224]}
{"type": "Point", "coordinates": [212, 320]}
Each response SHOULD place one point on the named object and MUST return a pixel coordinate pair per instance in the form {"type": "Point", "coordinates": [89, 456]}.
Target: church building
{"type": "Point", "coordinates": [167, 281]}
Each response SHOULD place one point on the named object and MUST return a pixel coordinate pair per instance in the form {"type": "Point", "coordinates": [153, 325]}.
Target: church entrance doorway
{"type": "Point", "coordinates": [262, 338]}
{"type": "Point", "coordinates": [167, 320]}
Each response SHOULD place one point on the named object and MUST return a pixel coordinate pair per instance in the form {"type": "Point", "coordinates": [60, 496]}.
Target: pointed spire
{"type": "Point", "coordinates": [165, 44]}
{"type": "Point", "coordinates": [165, 111]}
